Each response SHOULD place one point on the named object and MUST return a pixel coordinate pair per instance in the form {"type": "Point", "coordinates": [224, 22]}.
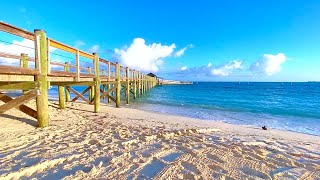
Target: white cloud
{"type": "Point", "coordinates": [94, 49]}
{"type": "Point", "coordinates": [226, 69]}
{"type": "Point", "coordinates": [142, 56]}
{"type": "Point", "coordinates": [184, 68]}
{"type": "Point", "coordinates": [78, 44]}
{"type": "Point", "coordinates": [269, 64]}
{"type": "Point", "coordinates": [181, 51]}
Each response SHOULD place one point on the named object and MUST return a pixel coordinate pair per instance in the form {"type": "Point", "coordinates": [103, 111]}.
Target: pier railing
{"type": "Point", "coordinates": [34, 76]}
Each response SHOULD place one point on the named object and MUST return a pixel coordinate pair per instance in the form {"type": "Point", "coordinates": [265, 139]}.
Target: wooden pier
{"type": "Point", "coordinates": [105, 80]}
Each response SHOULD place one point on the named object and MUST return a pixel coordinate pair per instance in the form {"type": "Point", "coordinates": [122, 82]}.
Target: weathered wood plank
{"type": "Point", "coordinates": [17, 85]}
{"type": "Point", "coordinates": [23, 108]}
{"type": "Point", "coordinates": [72, 83]}
{"type": "Point", "coordinates": [16, 31]}
{"type": "Point", "coordinates": [62, 74]}
{"type": "Point", "coordinates": [15, 78]}
{"type": "Point", "coordinates": [18, 101]}
{"type": "Point", "coordinates": [64, 47]}
{"type": "Point", "coordinates": [18, 70]}
{"type": "Point", "coordinates": [69, 74]}
{"type": "Point", "coordinates": [8, 55]}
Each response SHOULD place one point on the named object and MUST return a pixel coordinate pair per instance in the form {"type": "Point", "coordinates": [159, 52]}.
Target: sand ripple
{"type": "Point", "coordinates": [103, 146]}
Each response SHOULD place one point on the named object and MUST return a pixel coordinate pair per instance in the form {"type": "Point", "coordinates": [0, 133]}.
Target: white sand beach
{"type": "Point", "coordinates": [128, 143]}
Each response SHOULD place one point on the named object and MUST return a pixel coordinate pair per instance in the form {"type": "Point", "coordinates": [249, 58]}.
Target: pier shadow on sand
{"type": "Point", "coordinates": [24, 120]}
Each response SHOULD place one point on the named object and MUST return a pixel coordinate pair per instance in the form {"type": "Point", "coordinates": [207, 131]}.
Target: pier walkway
{"type": "Point", "coordinates": [35, 75]}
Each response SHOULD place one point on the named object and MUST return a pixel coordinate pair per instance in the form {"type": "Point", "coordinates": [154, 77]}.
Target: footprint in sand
{"type": "Point", "coordinates": [251, 172]}
{"type": "Point", "coordinates": [217, 168]}
{"type": "Point", "coordinates": [190, 167]}
{"type": "Point", "coordinates": [215, 158]}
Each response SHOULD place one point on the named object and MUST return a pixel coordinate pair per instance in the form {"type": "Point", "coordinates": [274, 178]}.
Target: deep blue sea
{"type": "Point", "coordinates": [287, 106]}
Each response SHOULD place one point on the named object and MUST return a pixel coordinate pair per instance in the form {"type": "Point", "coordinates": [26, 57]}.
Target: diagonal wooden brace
{"type": "Point", "coordinates": [78, 94]}
{"type": "Point", "coordinates": [112, 98]}
{"type": "Point", "coordinates": [18, 103]}
{"type": "Point", "coordinates": [83, 92]}
{"type": "Point", "coordinates": [107, 92]}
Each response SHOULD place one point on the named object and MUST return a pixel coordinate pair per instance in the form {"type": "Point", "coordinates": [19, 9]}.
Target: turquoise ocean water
{"type": "Point", "coordinates": [286, 106]}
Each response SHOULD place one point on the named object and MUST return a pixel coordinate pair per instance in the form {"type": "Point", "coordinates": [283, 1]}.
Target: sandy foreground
{"type": "Point", "coordinates": [133, 144]}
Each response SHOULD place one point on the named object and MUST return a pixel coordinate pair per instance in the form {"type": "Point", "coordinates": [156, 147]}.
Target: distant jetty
{"type": "Point", "coordinates": [162, 81]}
{"type": "Point", "coordinates": [171, 82]}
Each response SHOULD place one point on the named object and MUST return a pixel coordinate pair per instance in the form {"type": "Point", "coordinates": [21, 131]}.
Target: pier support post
{"type": "Point", "coordinates": [67, 92]}
{"type": "Point", "coordinates": [91, 91]}
{"type": "Point", "coordinates": [118, 90]}
{"type": "Point", "coordinates": [143, 84]}
{"type": "Point", "coordinates": [62, 100]}
{"type": "Point", "coordinates": [127, 85]}
{"type": "Point", "coordinates": [103, 86]}
{"type": "Point", "coordinates": [109, 74]}
{"type": "Point", "coordinates": [139, 84]}
{"type": "Point", "coordinates": [148, 83]}
{"type": "Point", "coordinates": [24, 63]}
{"type": "Point", "coordinates": [97, 84]}
{"type": "Point", "coordinates": [41, 79]}
{"type": "Point", "coordinates": [134, 84]}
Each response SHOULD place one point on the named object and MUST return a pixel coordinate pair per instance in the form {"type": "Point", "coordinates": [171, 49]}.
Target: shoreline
{"type": "Point", "coordinates": [121, 143]}
{"type": "Point", "coordinates": [220, 121]}
{"type": "Point", "coordinates": [233, 128]}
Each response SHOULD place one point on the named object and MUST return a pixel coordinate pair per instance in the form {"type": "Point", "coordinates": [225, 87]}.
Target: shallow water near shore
{"type": "Point", "coordinates": [285, 106]}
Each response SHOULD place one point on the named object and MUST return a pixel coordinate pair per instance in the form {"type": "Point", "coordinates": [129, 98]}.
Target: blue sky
{"type": "Point", "coordinates": [191, 40]}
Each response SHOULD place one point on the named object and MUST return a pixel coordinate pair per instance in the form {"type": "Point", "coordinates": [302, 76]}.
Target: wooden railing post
{"type": "Point", "coordinates": [49, 57]}
{"type": "Point", "coordinates": [118, 90]}
{"type": "Point", "coordinates": [97, 83]}
{"type": "Point", "coordinates": [24, 60]}
{"type": "Point", "coordinates": [24, 63]}
{"type": "Point", "coordinates": [77, 79]}
{"type": "Point", "coordinates": [41, 79]}
{"type": "Point", "coordinates": [127, 85]}
{"type": "Point", "coordinates": [67, 92]}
